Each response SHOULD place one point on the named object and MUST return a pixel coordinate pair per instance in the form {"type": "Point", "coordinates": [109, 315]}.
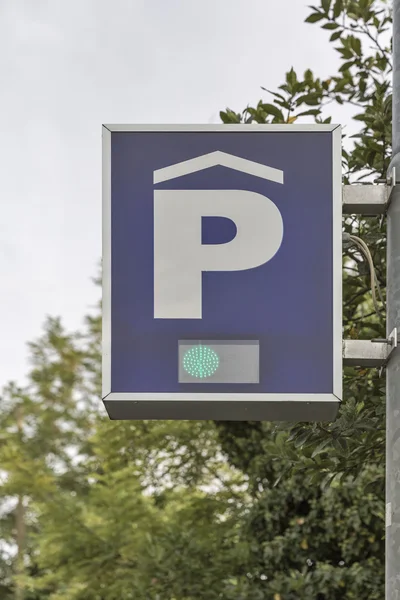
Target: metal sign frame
{"type": "Point", "coordinates": [313, 407]}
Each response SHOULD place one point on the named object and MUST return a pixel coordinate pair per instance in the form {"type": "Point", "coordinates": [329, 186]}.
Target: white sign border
{"type": "Point", "coordinates": [107, 395]}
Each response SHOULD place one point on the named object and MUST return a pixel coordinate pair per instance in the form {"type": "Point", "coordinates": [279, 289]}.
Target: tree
{"type": "Point", "coordinates": [336, 451]}
{"type": "Point", "coordinates": [190, 510]}
{"type": "Point", "coordinates": [44, 433]}
{"type": "Point", "coordinates": [363, 81]}
{"type": "Point", "coordinates": [134, 536]}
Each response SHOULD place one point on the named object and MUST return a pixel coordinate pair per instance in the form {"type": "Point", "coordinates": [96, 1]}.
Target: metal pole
{"type": "Point", "coordinates": [393, 320]}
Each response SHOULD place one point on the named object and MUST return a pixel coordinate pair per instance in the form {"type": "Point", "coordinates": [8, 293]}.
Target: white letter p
{"type": "Point", "coordinates": [180, 257]}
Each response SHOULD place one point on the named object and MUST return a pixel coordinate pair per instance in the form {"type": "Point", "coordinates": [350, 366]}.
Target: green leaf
{"type": "Point", "coordinates": [274, 93]}
{"type": "Point", "coordinates": [312, 111]}
{"type": "Point", "coordinates": [326, 4]}
{"type": "Point", "coordinates": [303, 437]}
{"type": "Point", "coordinates": [330, 26]}
{"type": "Point", "coordinates": [293, 434]}
{"type": "Point", "coordinates": [308, 75]}
{"type": "Point", "coordinates": [335, 36]}
{"type": "Point", "coordinates": [285, 104]}
{"type": "Point", "coordinates": [224, 117]}
{"type": "Point", "coordinates": [328, 480]}
{"type": "Point", "coordinates": [356, 45]}
{"type": "Point", "coordinates": [314, 17]}
{"type": "Point", "coordinates": [337, 8]}
{"type": "Point", "coordinates": [229, 117]}
{"type": "Point", "coordinates": [310, 99]}
{"type": "Point", "coordinates": [291, 78]}
{"type": "Point", "coordinates": [345, 52]}
{"type": "Point", "coordinates": [340, 85]}
{"type": "Point", "coordinates": [281, 476]}
{"type": "Point", "coordinates": [271, 109]}
{"type": "Point", "coordinates": [340, 444]}
{"type": "Point", "coordinates": [321, 446]}
{"type": "Point", "coordinates": [347, 65]}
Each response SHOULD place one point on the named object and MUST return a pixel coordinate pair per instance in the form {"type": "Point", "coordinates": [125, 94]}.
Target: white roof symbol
{"type": "Point", "coordinates": [218, 158]}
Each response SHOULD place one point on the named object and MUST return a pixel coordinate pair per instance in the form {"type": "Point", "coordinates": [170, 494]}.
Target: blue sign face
{"type": "Point", "coordinates": [222, 272]}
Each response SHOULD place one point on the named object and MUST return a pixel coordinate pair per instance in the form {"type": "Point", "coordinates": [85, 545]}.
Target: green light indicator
{"type": "Point", "coordinates": [200, 361]}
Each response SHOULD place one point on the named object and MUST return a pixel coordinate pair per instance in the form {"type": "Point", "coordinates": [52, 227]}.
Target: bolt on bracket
{"type": "Point", "coordinates": [368, 199]}
{"type": "Point", "coordinates": [369, 353]}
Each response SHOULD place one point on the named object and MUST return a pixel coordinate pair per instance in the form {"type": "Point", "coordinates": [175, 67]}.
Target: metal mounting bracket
{"type": "Point", "coordinates": [369, 353]}
{"type": "Point", "coordinates": [368, 199]}
{"type": "Point", "coordinates": [391, 185]}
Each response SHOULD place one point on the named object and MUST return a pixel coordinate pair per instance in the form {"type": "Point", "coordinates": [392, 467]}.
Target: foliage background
{"type": "Point", "coordinates": [100, 510]}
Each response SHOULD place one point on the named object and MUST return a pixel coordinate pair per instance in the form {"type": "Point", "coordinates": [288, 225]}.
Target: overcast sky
{"type": "Point", "coordinates": [67, 66]}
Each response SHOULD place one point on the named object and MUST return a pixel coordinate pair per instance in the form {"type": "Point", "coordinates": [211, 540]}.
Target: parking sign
{"type": "Point", "coordinates": [222, 272]}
